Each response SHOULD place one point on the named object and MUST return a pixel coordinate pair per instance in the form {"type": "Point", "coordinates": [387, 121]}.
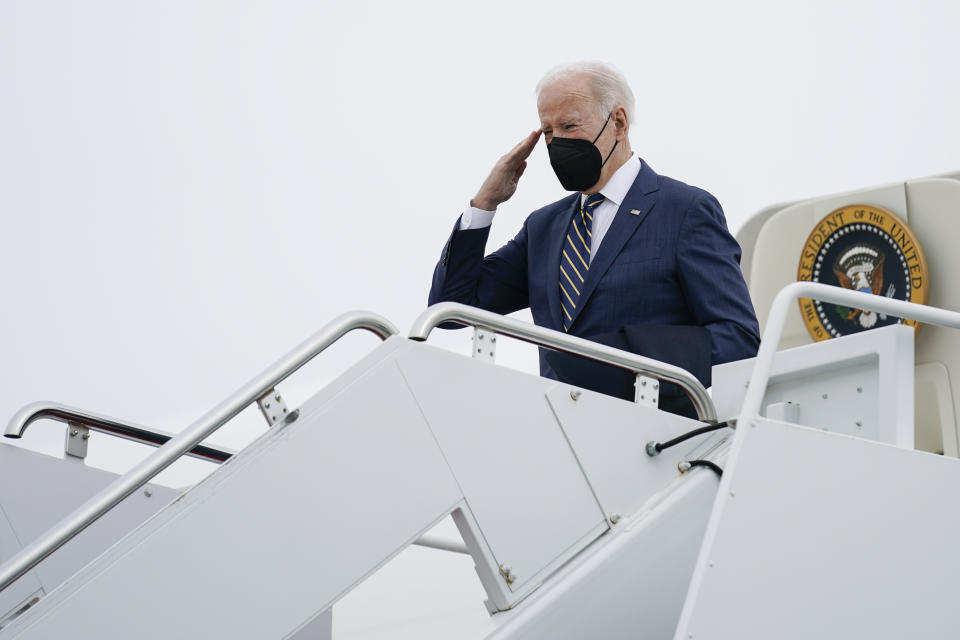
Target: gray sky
{"type": "Point", "coordinates": [188, 189]}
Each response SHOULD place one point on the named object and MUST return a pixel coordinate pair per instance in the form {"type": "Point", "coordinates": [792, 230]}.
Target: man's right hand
{"type": "Point", "coordinates": [501, 184]}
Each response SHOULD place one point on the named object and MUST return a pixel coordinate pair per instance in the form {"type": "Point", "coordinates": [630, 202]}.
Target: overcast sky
{"type": "Point", "coordinates": [190, 188]}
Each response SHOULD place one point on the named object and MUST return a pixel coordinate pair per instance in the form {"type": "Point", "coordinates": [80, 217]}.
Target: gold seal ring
{"type": "Point", "coordinates": [864, 248]}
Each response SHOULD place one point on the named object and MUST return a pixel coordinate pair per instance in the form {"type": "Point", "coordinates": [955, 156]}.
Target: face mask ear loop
{"type": "Point", "coordinates": [611, 153]}
{"type": "Point", "coordinates": [600, 134]}
{"type": "Point", "coordinates": [606, 122]}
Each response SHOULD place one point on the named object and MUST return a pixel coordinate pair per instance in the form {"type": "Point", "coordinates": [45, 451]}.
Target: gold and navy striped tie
{"type": "Point", "coordinates": [575, 259]}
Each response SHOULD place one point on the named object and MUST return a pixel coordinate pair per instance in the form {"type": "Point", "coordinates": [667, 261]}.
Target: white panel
{"type": "Point", "coordinates": [936, 420]}
{"type": "Point", "coordinates": [934, 204]}
{"type": "Point", "coordinates": [818, 535]}
{"type": "Point", "coordinates": [320, 628]}
{"type": "Point", "coordinates": [609, 438]}
{"type": "Point", "coordinates": [746, 235]}
{"type": "Point", "coordinates": [37, 491]}
{"type": "Point", "coordinates": [780, 242]}
{"type": "Point", "coordinates": [22, 591]}
{"type": "Point", "coordinates": [630, 584]}
{"type": "Point", "coordinates": [892, 197]}
{"type": "Point", "coordinates": [518, 474]}
{"type": "Point", "coordinates": [930, 207]}
{"type": "Point", "coordinates": [276, 534]}
{"type": "Point", "coordinates": [866, 378]}
{"type": "Point", "coordinates": [774, 265]}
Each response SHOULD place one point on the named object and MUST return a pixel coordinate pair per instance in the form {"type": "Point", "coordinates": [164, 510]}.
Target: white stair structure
{"type": "Point", "coordinates": [37, 490]}
{"type": "Point", "coordinates": [795, 507]}
{"type": "Point", "coordinates": [772, 240]}
{"type": "Point", "coordinates": [371, 463]}
{"type": "Point", "coordinates": [574, 528]}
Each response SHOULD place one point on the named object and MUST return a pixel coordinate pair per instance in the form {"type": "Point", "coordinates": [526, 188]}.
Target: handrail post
{"type": "Point", "coordinates": [77, 438]}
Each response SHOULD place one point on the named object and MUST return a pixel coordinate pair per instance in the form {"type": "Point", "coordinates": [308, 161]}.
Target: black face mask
{"type": "Point", "coordinates": [577, 162]}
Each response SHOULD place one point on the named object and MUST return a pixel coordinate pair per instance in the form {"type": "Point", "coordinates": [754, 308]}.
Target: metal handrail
{"type": "Point", "coordinates": [186, 440]}
{"type": "Point", "coordinates": [104, 424]}
{"type": "Point", "coordinates": [441, 543]}
{"type": "Point", "coordinates": [836, 295]}
{"type": "Point", "coordinates": [541, 336]}
{"type": "Point", "coordinates": [156, 438]}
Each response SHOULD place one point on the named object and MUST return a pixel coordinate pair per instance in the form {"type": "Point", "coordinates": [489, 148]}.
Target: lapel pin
{"type": "Point", "coordinates": [635, 212]}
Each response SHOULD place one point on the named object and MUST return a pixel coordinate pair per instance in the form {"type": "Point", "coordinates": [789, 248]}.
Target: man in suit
{"type": "Point", "coordinates": [631, 259]}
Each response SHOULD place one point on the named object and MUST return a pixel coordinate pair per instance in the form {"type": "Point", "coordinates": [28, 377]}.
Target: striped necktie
{"type": "Point", "coordinates": [575, 260]}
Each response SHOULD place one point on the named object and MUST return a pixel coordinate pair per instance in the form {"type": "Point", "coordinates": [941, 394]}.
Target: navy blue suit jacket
{"type": "Point", "coordinates": [673, 263]}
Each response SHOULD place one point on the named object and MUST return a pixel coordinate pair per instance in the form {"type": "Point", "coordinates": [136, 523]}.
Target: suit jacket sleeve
{"type": "Point", "coordinates": [497, 282]}
{"type": "Point", "coordinates": [708, 259]}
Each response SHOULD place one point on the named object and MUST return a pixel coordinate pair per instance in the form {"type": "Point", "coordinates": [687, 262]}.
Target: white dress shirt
{"type": "Point", "coordinates": [614, 191]}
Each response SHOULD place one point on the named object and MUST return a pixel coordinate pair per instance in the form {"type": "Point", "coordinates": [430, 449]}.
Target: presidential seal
{"type": "Point", "coordinates": [864, 248]}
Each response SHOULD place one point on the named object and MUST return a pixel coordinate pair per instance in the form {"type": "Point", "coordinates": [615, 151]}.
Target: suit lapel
{"type": "Point", "coordinates": [641, 197]}
{"type": "Point", "coordinates": [557, 232]}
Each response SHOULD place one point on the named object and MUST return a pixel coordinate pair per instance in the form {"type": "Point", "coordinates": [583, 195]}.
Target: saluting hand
{"type": "Point", "coordinates": [501, 184]}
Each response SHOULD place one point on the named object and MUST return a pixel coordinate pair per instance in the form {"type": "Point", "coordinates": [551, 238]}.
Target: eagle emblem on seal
{"type": "Point", "coordinates": [861, 268]}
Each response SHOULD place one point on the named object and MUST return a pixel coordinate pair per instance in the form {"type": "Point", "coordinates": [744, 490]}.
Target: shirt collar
{"type": "Point", "coordinates": [620, 182]}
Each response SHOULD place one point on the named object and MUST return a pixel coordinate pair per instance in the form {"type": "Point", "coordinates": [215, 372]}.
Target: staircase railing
{"type": "Point", "coordinates": [81, 420]}
{"type": "Point", "coordinates": [785, 302]}
{"type": "Point", "coordinates": [558, 341]}
{"type": "Point", "coordinates": [260, 389]}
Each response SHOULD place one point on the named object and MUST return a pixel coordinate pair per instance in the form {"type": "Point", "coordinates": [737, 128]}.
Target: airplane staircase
{"type": "Point", "coordinates": [584, 515]}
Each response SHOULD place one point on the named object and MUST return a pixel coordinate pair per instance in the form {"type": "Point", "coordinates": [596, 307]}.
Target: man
{"type": "Point", "coordinates": [633, 259]}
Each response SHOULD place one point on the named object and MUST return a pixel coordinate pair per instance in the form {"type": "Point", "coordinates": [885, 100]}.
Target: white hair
{"type": "Point", "coordinates": [609, 85]}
